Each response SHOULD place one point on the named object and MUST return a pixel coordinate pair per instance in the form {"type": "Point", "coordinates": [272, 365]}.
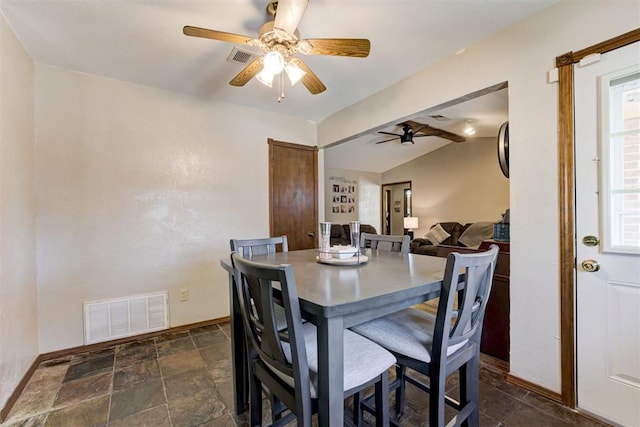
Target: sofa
{"type": "Point", "coordinates": [454, 234]}
{"type": "Point", "coordinates": [341, 233]}
{"type": "Point", "coordinates": [495, 328]}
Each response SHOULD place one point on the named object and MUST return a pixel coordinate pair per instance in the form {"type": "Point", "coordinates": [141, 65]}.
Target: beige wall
{"type": "Point", "coordinates": [458, 182]}
{"type": "Point", "coordinates": [368, 187]}
{"type": "Point", "coordinates": [140, 190]}
{"type": "Point", "coordinates": [18, 311]}
{"type": "Point", "coordinates": [520, 55]}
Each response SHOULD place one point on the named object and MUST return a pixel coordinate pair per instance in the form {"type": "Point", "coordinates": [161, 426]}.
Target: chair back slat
{"type": "Point", "coordinates": [264, 246]}
{"type": "Point", "coordinates": [281, 350]}
{"type": "Point", "coordinates": [383, 242]}
{"type": "Point", "coordinates": [470, 276]}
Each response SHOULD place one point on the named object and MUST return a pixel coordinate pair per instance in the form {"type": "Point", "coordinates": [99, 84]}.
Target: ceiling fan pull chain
{"type": "Point", "coordinates": [281, 86]}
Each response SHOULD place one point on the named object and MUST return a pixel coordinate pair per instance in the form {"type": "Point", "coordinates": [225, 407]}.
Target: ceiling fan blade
{"type": "Point", "coordinates": [389, 133]}
{"type": "Point", "coordinates": [426, 130]}
{"type": "Point", "coordinates": [216, 35]}
{"type": "Point", "coordinates": [288, 14]}
{"type": "Point", "coordinates": [248, 72]}
{"type": "Point", "coordinates": [387, 140]}
{"type": "Point", "coordinates": [358, 48]}
{"type": "Point", "coordinates": [310, 80]}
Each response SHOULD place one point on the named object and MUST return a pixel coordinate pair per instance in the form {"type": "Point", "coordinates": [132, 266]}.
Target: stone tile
{"type": "Point", "coordinates": [225, 391]}
{"type": "Point", "coordinates": [495, 403]}
{"type": "Point", "coordinates": [188, 383]}
{"type": "Point", "coordinates": [196, 409]}
{"type": "Point", "coordinates": [39, 394]}
{"type": "Point", "coordinates": [83, 389]}
{"type": "Point", "coordinates": [136, 352]}
{"type": "Point", "coordinates": [179, 363]}
{"type": "Point", "coordinates": [215, 354]}
{"type": "Point", "coordinates": [552, 408]}
{"type": "Point", "coordinates": [205, 329]}
{"type": "Point", "coordinates": [36, 421]}
{"type": "Point", "coordinates": [525, 416]}
{"type": "Point", "coordinates": [55, 362]}
{"type": "Point", "coordinates": [89, 413]}
{"type": "Point", "coordinates": [226, 328]}
{"type": "Point", "coordinates": [216, 338]}
{"type": "Point", "coordinates": [170, 336]}
{"type": "Point", "coordinates": [221, 369]}
{"type": "Point", "coordinates": [154, 417]}
{"type": "Point", "coordinates": [224, 421]}
{"type": "Point", "coordinates": [128, 375]}
{"type": "Point", "coordinates": [90, 366]}
{"type": "Point", "coordinates": [89, 355]}
{"type": "Point", "coordinates": [136, 399]}
{"type": "Point", "coordinates": [175, 346]}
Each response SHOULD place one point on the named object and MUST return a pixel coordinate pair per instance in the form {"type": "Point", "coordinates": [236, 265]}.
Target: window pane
{"type": "Point", "coordinates": [622, 149]}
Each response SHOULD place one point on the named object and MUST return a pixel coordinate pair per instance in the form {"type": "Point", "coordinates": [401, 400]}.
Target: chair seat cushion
{"type": "Point", "coordinates": [364, 360]}
{"type": "Point", "coordinates": [407, 332]}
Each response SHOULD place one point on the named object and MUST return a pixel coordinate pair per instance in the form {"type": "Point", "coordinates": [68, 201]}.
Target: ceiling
{"type": "Point", "coordinates": [141, 41]}
{"type": "Point", "coordinates": [484, 114]}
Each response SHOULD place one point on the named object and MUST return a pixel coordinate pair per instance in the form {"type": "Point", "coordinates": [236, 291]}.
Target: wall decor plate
{"type": "Point", "coordinates": [503, 148]}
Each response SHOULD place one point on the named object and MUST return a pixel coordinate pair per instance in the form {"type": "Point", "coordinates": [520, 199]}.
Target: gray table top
{"type": "Point", "coordinates": [340, 290]}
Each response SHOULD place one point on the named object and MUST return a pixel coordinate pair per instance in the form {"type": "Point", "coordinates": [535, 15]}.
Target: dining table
{"type": "Point", "coordinates": [335, 294]}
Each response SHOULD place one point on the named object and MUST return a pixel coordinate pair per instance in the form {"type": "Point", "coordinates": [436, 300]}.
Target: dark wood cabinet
{"type": "Point", "coordinates": [495, 329]}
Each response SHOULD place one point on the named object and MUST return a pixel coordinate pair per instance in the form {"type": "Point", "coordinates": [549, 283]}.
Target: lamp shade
{"type": "Point", "coordinates": [411, 222]}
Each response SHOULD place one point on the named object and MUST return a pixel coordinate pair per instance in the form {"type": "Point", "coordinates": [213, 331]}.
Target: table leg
{"type": "Point", "coordinates": [330, 372]}
{"type": "Point", "coordinates": [238, 351]}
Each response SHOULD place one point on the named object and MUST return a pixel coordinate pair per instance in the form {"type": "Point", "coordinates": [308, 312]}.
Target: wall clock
{"type": "Point", "coordinates": [503, 148]}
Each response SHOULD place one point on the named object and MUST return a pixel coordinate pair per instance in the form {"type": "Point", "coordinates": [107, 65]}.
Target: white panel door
{"type": "Point", "coordinates": [607, 138]}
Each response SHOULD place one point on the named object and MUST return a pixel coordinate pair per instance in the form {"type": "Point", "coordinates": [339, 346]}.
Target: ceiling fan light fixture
{"type": "Point", "coordinates": [406, 139]}
{"type": "Point", "coordinates": [265, 77]}
{"type": "Point", "coordinates": [273, 62]}
{"type": "Point", "coordinates": [468, 129]}
{"type": "Point", "coordinates": [294, 72]}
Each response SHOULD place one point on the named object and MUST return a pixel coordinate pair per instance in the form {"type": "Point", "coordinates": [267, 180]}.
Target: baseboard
{"type": "Point", "coordinates": [4, 412]}
{"type": "Point", "coordinates": [542, 391]}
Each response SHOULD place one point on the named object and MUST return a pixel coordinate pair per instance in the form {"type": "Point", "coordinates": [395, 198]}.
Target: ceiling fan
{"type": "Point", "coordinates": [411, 128]}
{"type": "Point", "coordinates": [280, 41]}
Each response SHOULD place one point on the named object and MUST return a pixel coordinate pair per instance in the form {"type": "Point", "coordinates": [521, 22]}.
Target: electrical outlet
{"type": "Point", "coordinates": [184, 294]}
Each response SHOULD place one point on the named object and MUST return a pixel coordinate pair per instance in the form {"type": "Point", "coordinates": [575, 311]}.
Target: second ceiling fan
{"type": "Point", "coordinates": [280, 41]}
{"type": "Point", "coordinates": [410, 130]}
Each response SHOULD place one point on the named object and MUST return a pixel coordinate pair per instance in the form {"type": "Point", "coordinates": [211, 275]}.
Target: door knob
{"type": "Point", "coordinates": [590, 265]}
{"type": "Point", "coordinates": [311, 234]}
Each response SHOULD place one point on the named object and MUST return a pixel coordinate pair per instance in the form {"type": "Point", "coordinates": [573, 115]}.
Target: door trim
{"type": "Point", "coordinates": [566, 194]}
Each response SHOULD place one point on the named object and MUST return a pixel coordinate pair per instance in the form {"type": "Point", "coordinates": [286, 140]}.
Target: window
{"type": "Point", "coordinates": [620, 145]}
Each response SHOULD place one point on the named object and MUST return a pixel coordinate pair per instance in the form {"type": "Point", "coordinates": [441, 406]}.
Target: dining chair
{"type": "Point", "coordinates": [439, 345]}
{"type": "Point", "coordinates": [265, 246]}
{"type": "Point", "coordinates": [385, 242]}
{"type": "Point", "coordinates": [262, 246]}
{"type": "Point", "coordinates": [286, 362]}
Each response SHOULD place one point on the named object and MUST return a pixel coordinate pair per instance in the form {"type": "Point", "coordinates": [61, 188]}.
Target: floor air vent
{"type": "Point", "coordinates": [122, 317]}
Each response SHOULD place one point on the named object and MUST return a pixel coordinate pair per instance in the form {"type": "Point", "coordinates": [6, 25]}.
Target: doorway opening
{"type": "Point", "coordinates": [396, 205]}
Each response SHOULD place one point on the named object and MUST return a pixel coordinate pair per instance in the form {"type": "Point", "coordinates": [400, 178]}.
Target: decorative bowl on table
{"type": "Point", "coordinates": [342, 252]}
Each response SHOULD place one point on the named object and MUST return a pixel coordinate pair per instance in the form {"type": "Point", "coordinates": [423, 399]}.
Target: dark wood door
{"type": "Point", "coordinates": [293, 188]}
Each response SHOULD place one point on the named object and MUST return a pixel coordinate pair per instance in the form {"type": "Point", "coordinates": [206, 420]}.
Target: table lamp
{"type": "Point", "coordinates": [410, 223]}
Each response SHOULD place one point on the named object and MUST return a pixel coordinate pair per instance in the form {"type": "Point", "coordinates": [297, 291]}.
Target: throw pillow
{"type": "Point", "coordinates": [476, 233]}
{"type": "Point", "coordinates": [437, 234]}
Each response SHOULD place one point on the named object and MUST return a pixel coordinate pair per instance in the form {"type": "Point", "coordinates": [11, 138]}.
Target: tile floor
{"type": "Point", "coordinates": [184, 379]}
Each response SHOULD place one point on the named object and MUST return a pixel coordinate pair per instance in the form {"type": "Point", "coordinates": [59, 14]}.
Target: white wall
{"type": "Point", "coordinates": [18, 311]}
{"type": "Point", "coordinates": [368, 197]}
{"type": "Point", "coordinates": [458, 182]}
{"type": "Point", "coordinates": [521, 55]}
{"type": "Point", "coordinates": [140, 190]}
